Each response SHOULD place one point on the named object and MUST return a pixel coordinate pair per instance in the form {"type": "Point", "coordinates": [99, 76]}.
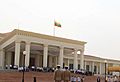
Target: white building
{"type": "Point", "coordinates": [47, 51]}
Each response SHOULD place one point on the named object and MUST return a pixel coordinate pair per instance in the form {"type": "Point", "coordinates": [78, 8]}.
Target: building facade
{"type": "Point", "coordinates": [47, 51]}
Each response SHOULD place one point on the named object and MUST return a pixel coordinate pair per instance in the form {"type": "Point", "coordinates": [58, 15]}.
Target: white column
{"type": "Point", "coordinates": [92, 66]}
{"type": "Point", "coordinates": [107, 67]}
{"type": "Point", "coordinates": [68, 63]}
{"type": "Point", "coordinates": [82, 60]}
{"type": "Point", "coordinates": [27, 57]}
{"type": "Point", "coordinates": [22, 59]}
{"type": "Point", "coordinates": [2, 58]}
{"type": "Point", "coordinates": [45, 55]}
{"type": "Point", "coordinates": [97, 68]}
{"type": "Point", "coordinates": [8, 58]}
{"type": "Point", "coordinates": [100, 68]}
{"type": "Point", "coordinates": [37, 58]}
{"type": "Point", "coordinates": [85, 65]}
{"type": "Point", "coordinates": [60, 62]}
{"type": "Point", "coordinates": [40, 61]}
{"type": "Point", "coordinates": [50, 61]}
{"type": "Point", "coordinates": [56, 59]}
{"type": "Point", "coordinates": [75, 60]}
{"type": "Point", "coordinates": [17, 53]}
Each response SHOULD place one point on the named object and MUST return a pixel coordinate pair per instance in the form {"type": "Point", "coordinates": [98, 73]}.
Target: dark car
{"type": "Point", "coordinates": [51, 69]}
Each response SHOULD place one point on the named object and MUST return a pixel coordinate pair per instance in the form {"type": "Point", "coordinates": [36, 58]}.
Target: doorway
{"type": "Point", "coordinates": [32, 61]}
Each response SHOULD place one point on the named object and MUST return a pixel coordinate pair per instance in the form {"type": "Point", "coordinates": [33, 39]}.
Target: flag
{"type": "Point", "coordinates": [57, 24]}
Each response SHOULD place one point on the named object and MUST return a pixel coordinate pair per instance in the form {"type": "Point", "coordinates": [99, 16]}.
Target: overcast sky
{"type": "Point", "coordinates": [95, 21]}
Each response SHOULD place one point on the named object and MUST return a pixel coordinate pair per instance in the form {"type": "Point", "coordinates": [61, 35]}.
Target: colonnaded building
{"type": "Point", "coordinates": [47, 51]}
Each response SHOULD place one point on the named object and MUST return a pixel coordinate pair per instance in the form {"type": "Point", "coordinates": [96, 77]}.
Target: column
{"type": "Point", "coordinates": [17, 53]}
{"type": "Point", "coordinates": [100, 68]}
{"type": "Point", "coordinates": [45, 55]}
{"type": "Point", "coordinates": [97, 68]}
{"type": "Point", "coordinates": [107, 67]}
{"type": "Point", "coordinates": [50, 61]}
{"type": "Point", "coordinates": [90, 66]}
{"type": "Point", "coordinates": [41, 61]}
{"type": "Point", "coordinates": [93, 67]}
{"type": "Point", "coordinates": [75, 60]}
{"type": "Point", "coordinates": [2, 58]}
{"type": "Point", "coordinates": [56, 61]}
{"type": "Point", "coordinates": [22, 59]}
{"type": "Point", "coordinates": [37, 62]}
{"type": "Point", "coordinates": [68, 63]}
{"type": "Point", "coordinates": [8, 58]}
{"type": "Point", "coordinates": [85, 65]}
{"type": "Point", "coordinates": [82, 60]}
{"type": "Point", "coordinates": [60, 62]}
{"type": "Point", "coordinates": [27, 57]}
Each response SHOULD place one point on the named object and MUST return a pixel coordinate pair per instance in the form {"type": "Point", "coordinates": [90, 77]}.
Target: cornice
{"type": "Point", "coordinates": [43, 36]}
{"type": "Point", "coordinates": [99, 58]}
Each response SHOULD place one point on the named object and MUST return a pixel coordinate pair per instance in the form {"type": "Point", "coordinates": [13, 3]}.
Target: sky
{"type": "Point", "coordinates": [96, 22]}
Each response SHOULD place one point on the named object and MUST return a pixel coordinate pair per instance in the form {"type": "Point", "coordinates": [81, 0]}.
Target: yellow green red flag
{"type": "Point", "coordinates": [57, 24]}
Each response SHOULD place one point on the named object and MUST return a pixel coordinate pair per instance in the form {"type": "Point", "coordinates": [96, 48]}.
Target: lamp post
{"type": "Point", "coordinates": [105, 70]}
{"type": "Point", "coordinates": [24, 53]}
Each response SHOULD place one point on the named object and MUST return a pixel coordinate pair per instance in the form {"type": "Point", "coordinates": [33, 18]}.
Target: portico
{"type": "Point", "coordinates": [41, 50]}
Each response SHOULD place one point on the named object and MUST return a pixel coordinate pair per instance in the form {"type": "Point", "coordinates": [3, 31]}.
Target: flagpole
{"type": "Point", "coordinates": [54, 31]}
{"type": "Point", "coordinates": [18, 26]}
{"type": "Point", "coordinates": [54, 28]}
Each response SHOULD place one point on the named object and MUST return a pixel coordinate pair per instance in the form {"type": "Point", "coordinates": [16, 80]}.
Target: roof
{"type": "Point", "coordinates": [100, 58]}
{"type": "Point", "coordinates": [43, 36]}
{"type": "Point", "coordinates": [4, 34]}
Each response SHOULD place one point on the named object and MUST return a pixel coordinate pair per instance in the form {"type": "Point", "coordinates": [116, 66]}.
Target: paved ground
{"type": "Point", "coordinates": [40, 77]}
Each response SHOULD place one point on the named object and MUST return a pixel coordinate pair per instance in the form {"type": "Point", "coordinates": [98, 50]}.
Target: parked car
{"type": "Point", "coordinates": [40, 69]}
{"type": "Point", "coordinates": [45, 69]}
{"type": "Point", "coordinates": [51, 69]}
{"type": "Point", "coordinates": [80, 71]}
{"type": "Point", "coordinates": [71, 70]}
{"type": "Point", "coordinates": [11, 66]}
{"type": "Point", "coordinates": [33, 68]}
{"type": "Point", "coordinates": [20, 69]}
{"type": "Point", "coordinates": [15, 67]}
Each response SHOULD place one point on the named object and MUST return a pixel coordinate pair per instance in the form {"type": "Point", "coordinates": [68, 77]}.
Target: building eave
{"type": "Point", "coordinates": [43, 36]}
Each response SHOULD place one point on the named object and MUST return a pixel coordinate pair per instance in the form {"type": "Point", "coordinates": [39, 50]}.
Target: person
{"type": "Point", "coordinates": [58, 74]}
{"type": "Point", "coordinates": [75, 79]}
{"type": "Point", "coordinates": [82, 79]}
{"type": "Point", "coordinates": [98, 79]}
{"type": "Point", "coordinates": [66, 75]}
{"type": "Point", "coordinates": [109, 79]}
{"type": "Point", "coordinates": [119, 78]}
{"type": "Point", "coordinates": [72, 78]}
{"type": "Point", "coordinates": [115, 79]}
{"type": "Point", "coordinates": [78, 79]}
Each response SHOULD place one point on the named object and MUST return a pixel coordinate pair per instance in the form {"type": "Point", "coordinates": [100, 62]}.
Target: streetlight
{"type": "Point", "coordinates": [105, 70]}
{"type": "Point", "coordinates": [24, 53]}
